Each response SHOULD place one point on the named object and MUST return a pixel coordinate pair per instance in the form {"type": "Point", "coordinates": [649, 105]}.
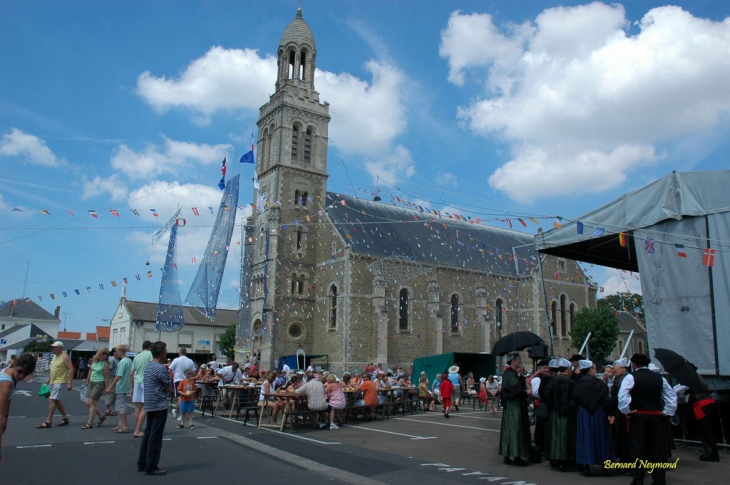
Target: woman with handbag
{"type": "Point", "coordinates": [96, 383]}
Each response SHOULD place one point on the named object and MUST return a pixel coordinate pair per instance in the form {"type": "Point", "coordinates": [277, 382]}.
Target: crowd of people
{"type": "Point", "coordinates": [618, 422]}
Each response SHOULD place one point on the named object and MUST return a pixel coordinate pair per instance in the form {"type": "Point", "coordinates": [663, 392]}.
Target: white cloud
{"type": "Point", "coordinates": [32, 149]}
{"type": "Point", "coordinates": [170, 158]}
{"type": "Point", "coordinates": [618, 281]}
{"type": "Point", "coordinates": [392, 167]}
{"type": "Point", "coordinates": [223, 79]}
{"type": "Point", "coordinates": [583, 103]}
{"type": "Point", "coordinates": [116, 189]}
{"type": "Point", "coordinates": [369, 115]}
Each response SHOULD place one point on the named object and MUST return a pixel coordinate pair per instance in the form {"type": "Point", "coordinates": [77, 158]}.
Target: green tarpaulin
{"type": "Point", "coordinates": [482, 365]}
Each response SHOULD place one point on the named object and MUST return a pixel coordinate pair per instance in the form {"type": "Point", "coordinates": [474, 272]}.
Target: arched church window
{"type": "Point", "coordinates": [563, 315]}
{"type": "Point", "coordinates": [291, 64]}
{"type": "Point", "coordinates": [294, 143]}
{"type": "Point", "coordinates": [403, 310]}
{"type": "Point", "coordinates": [498, 310]}
{"type": "Point", "coordinates": [302, 65]}
{"type": "Point", "coordinates": [300, 238]}
{"type": "Point", "coordinates": [307, 155]}
{"type": "Point", "coordinates": [454, 313]}
{"type": "Point", "coordinates": [333, 307]}
{"type": "Point", "coordinates": [571, 320]}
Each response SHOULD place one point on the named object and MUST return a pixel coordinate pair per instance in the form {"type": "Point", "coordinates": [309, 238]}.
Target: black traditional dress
{"type": "Point", "coordinates": [593, 406]}
{"type": "Point", "coordinates": [621, 440]}
{"type": "Point", "coordinates": [514, 438]}
{"type": "Point", "coordinates": [560, 448]}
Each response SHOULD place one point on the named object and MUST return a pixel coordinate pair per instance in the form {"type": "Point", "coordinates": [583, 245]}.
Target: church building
{"type": "Point", "coordinates": [362, 280]}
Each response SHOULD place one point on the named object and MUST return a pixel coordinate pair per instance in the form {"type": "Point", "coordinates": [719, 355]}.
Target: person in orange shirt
{"type": "Point", "coordinates": [369, 395]}
{"type": "Point", "coordinates": [186, 394]}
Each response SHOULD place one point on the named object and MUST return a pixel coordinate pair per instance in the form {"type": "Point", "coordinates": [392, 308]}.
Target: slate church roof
{"type": "Point", "coordinates": [380, 230]}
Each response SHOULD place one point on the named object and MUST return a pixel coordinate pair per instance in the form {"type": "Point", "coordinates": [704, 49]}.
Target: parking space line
{"type": "Point", "coordinates": [33, 446]}
{"type": "Point", "coordinates": [99, 442]}
{"type": "Point", "coordinates": [413, 437]}
{"type": "Point", "coordinates": [301, 437]}
{"type": "Point", "coordinates": [446, 424]}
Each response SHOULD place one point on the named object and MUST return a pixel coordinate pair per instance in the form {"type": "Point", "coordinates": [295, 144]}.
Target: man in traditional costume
{"type": "Point", "coordinates": [535, 382]}
{"type": "Point", "coordinates": [514, 437]}
{"type": "Point", "coordinates": [593, 415]}
{"type": "Point", "coordinates": [646, 397]}
{"type": "Point", "coordinates": [621, 440]}
{"type": "Point", "coordinates": [708, 419]}
{"type": "Point", "coordinates": [561, 422]}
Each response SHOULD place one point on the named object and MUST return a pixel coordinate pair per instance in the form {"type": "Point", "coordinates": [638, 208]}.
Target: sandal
{"type": "Point", "coordinates": [180, 426]}
{"type": "Point", "coordinates": [121, 430]}
{"type": "Point", "coordinates": [63, 422]}
{"type": "Point", "coordinates": [111, 413]}
{"type": "Point", "coordinates": [87, 426]}
{"type": "Point", "coordinates": [101, 420]}
{"type": "Point", "coordinates": [44, 425]}
{"type": "Point", "coordinates": [192, 427]}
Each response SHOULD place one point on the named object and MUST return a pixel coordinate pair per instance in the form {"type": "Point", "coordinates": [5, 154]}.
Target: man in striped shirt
{"type": "Point", "coordinates": [157, 384]}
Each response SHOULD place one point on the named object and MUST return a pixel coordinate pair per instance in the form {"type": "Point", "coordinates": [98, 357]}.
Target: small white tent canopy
{"type": "Point", "coordinates": [678, 237]}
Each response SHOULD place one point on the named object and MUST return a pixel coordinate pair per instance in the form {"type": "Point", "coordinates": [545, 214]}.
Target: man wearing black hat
{"type": "Point", "coordinates": [646, 397]}
{"type": "Point", "coordinates": [574, 361]}
{"type": "Point", "coordinates": [514, 436]}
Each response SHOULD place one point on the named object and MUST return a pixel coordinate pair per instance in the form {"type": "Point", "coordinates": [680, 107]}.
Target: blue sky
{"type": "Point", "coordinates": [496, 110]}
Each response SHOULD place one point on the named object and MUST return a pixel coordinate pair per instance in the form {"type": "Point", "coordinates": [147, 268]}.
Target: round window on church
{"type": "Point", "coordinates": [296, 331]}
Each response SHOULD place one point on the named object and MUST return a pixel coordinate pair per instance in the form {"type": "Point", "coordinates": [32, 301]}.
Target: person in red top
{"type": "Point", "coordinates": [369, 395]}
{"type": "Point", "coordinates": [446, 389]}
{"type": "Point", "coordinates": [186, 394]}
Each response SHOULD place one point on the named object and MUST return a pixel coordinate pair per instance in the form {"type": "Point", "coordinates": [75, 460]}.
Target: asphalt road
{"type": "Point", "coordinates": [423, 448]}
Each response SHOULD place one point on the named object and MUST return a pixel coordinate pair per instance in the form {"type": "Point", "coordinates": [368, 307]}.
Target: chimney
{"type": "Point", "coordinates": [11, 308]}
{"type": "Point", "coordinates": [57, 313]}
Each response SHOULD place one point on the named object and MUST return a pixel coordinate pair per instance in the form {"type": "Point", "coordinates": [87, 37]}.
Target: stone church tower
{"type": "Point", "coordinates": [291, 166]}
{"type": "Point", "coordinates": [355, 281]}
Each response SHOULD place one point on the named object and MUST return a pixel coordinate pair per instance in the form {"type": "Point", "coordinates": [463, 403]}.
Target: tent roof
{"type": "Point", "coordinates": [676, 196]}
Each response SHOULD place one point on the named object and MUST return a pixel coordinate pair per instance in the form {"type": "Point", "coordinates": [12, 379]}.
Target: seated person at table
{"type": "Point", "coordinates": [425, 394]}
{"type": "Point", "coordinates": [336, 398]}
{"type": "Point", "coordinates": [392, 381]}
{"type": "Point", "coordinates": [314, 390]}
{"type": "Point", "coordinates": [356, 379]}
{"type": "Point", "coordinates": [381, 383]}
{"type": "Point", "coordinates": [369, 395]}
{"type": "Point", "coordinates": [483, 390]}
{"type": "Point", "coordinates": [229, 376]}
{"type": "Point", "coordinates": [470, 384]}
{"type": "Point", "coordinates": [272, 403]}
{"type": "Point", "coordinates": [493, 389]}
{"type": "Point", "coordinates": [280, 380]}
{"type": "Point", "coordinates": [346, 380]}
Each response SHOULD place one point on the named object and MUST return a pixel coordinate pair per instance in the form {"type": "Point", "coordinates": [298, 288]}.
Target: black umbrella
{"type": "Point", "coordinates": [678, 367]}
{"type": "Point", "coordinates": [515, 341]}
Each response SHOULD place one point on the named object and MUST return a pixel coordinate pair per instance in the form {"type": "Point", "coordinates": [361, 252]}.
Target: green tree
{"type": "Point", "coordinates": [626, 302]}
{"type": "Point", "coordinates": [602, 323]}
{"type": "Point", "coordinates": [38, 347]}
{"type": "Point", "coordinates": [227, 342]}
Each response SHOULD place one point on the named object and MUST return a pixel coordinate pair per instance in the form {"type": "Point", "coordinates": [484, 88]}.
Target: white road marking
{"type": "Point", "coordinates": [34, 446]}
{"type": "Point", "coordinates": [450, 425]}
{"type": "Point", "coordinates": [206, 437]}
{"type": "Point", "coordinates": [99, 442]}
{"type": "Point", "coordinates": [413, 437]}
{"type": "Point", "coordinates": [302, 437]}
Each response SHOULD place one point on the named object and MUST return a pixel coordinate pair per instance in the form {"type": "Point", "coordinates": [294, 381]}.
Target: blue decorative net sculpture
{"type": "Point", "coordinates": [169, 310]}
{"type": "Point", "coordinates": [203, 294]}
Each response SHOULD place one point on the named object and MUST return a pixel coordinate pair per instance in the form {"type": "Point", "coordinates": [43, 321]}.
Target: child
{"type": "Point", "coordinates": [186, 393]}
{"type": "Point", "coordinates": [446, 389]}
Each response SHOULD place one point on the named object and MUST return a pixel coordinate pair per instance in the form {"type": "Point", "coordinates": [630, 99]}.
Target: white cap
{"type": "Point", "coordinates": [622, 362]}
{"type": "Point", "coordinates": [654, 368]}
{"type": "Point", "coordinates": [563, 363]}
{"type": "Point", "coordinates": [57, 343]}
{"type": "Point", "coordinates": [482, 379]}
{"type": "Point", "coordinates": [585, 364]}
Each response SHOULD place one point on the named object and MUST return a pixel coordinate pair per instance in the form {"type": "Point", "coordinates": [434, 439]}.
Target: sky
{"type": "Point", "coordinates": [500, 110]}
